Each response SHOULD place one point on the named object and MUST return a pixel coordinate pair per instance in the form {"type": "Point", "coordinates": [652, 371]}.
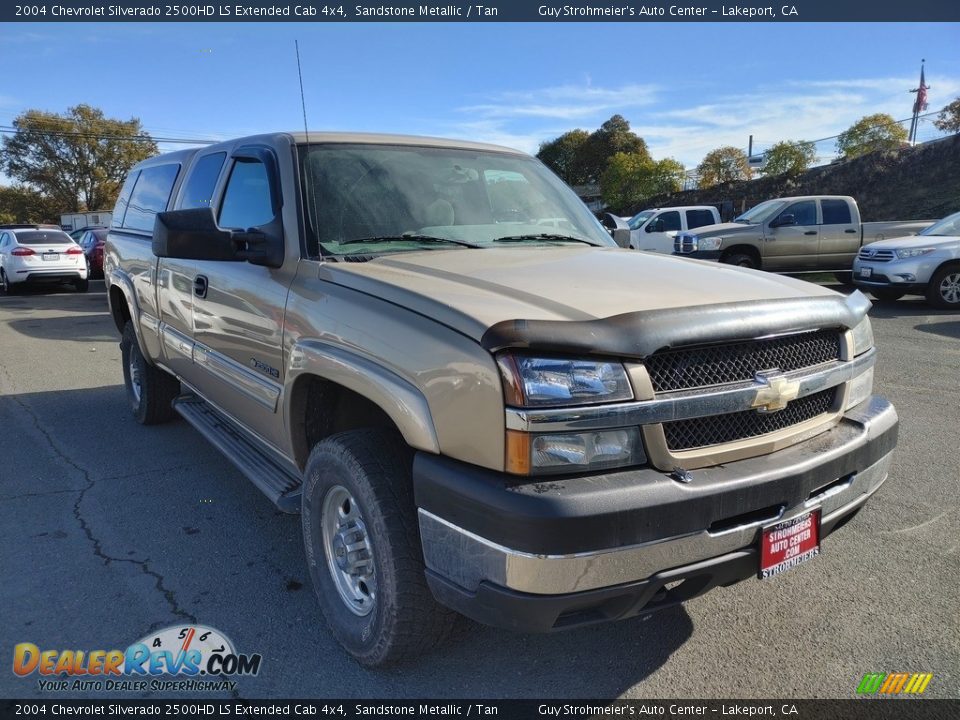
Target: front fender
{"type": "Point", "coordinates": [403, 403]}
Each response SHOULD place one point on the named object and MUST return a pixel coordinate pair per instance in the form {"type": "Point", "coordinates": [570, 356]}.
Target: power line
{"type": "Point", "coordinates": [11, 130]}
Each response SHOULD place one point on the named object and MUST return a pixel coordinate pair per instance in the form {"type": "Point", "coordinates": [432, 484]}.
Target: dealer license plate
{"type": "Point", "coordinates": [787, 544]}
{"type": "Point", "coordinates": [51, 256]}
{"type": "Point", "coordinates": [866, 272]}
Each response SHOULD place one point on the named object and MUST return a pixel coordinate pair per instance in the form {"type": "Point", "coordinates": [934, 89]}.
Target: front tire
{"type": "Point", "coordinates": [740, 260]}
{"type": "Point", "coordinates": [944, 289]}
{"type": "Point", "coordinates": [150, 390]}
{"type": "Point", "coordinates": [362, 542]}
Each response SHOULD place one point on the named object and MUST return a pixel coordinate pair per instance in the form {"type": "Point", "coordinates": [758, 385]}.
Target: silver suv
{"type": "Point", "coordinates": [924, 264]}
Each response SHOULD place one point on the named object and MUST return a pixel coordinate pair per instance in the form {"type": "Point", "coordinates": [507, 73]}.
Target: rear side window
{"type": "Point", "coordinates": [44, 237]}
{"type": "Point", "coordinates": [150, 196]}
{"type": "Point", "coordinates": [835, 212]}
{"type": "Point", "coordinates": [699, 218]}
{"type": "Point", "coordinates": [670, 220]}
{"type": "Point", "coordinates": [120, 209]}
{"type": "Point", "coordinates": [199, 185]}
{"type": "Point", "coordinates": [246, 199]}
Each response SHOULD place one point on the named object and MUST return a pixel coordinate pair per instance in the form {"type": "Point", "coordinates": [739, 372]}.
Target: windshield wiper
{"type": "Point", "coordinates": [543, 236]}
{"type": "Point", "coordinates": [407, 237]}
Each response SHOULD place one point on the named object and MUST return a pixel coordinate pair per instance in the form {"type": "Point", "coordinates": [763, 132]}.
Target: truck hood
{"type": "Point", "coordinates": [473, 290]}
{"type": "Point", "coordinates": [729, 228]}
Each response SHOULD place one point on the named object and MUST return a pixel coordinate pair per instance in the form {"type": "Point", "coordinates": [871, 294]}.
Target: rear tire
{"type": "Point", "coordinates": [81, 285]}
{"type": "Point", "coordinates": [150, 390]}
{"type": "Point", "coordinates": [358, 492]}
{"type": "Point", "coordinates": [887, 294]}
{"type": "Point", "coordinates": [944, 289]}
{"type": "Point", "coordinates": [740, 260]}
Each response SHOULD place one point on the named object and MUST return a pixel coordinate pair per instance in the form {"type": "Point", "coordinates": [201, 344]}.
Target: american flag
{"type": "Point", "coordinates": [921, 104]}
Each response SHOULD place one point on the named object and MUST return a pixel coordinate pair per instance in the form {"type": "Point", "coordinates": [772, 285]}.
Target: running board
{"type": "Point", "coordinates": [281, 486]}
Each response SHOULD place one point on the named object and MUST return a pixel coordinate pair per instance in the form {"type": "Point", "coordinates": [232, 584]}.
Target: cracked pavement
{"type": "Point", "coordinates": [111, 530]}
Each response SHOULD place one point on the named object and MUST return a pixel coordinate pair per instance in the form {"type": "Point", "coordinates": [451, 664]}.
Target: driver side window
{"type": "Point", "coordinates": [804, 212]}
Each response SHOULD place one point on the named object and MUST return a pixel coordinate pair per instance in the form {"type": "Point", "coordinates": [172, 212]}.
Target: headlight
{"type": "Point", "coordinates": [913, 252]}
{"type": "Point", "coordinates": [555, 382]}
{"type": "Point", "coordinates": [711, 243]}
{"type": "Point", "coordinates": [859, 389]}
{"type": "Point", "coordinates": [862, 337]}
{"type": "Point", "coordinates": [532, 454]}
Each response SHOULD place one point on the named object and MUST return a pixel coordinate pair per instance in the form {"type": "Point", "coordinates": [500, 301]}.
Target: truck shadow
{"type": "Point", "coordinates": [110, 503]}
{"type": "Point", "coordinates": [57, 298]}
{"type": "Point", "coordinates": [95, 327]}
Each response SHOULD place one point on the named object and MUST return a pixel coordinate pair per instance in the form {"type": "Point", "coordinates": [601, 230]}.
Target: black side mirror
{"type": "Point", "coordinates": [783, 220]}
{"type": "Point", "coordinates": [194, 235]}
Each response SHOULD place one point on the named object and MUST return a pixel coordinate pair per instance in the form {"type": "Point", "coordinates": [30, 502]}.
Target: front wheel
{"type": "Point", "coordinates": [944, 289]}
{"type": "Point", "coordinates": [150, 390]}
{"type": "Point", "coordinates": [740, 260]}
{"type": "Point", "coordinates": [362, 542]}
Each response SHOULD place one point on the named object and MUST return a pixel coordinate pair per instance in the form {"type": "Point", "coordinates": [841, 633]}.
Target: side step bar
{"type": "Point", "coordinates": [276, 482]}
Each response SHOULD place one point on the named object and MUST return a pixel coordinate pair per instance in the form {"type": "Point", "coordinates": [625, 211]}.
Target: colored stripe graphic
{"type": "Point", "coordinates": [894, 683]}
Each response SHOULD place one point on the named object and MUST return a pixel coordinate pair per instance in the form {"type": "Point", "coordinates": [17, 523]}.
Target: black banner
{"type": "Point", "coordinates": [853, 709]}
{"type": "Point", "coordinates": [488, 11]}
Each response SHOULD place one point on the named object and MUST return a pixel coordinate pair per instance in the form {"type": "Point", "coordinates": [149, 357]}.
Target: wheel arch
{"type": "Point", "coordinates": [355, 392]}
{"type": "Point", "coordinates": [744, 250]}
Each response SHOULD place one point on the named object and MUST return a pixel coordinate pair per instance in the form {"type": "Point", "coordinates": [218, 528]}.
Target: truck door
{"type": "Point", "coordinates": [657, 235]}
{"type": "Point", "coordinates": [791, 239]}
{"type": "Point", "coordinates": [839, 235]}
{"type": "Point", "coordinates": [238, 306]}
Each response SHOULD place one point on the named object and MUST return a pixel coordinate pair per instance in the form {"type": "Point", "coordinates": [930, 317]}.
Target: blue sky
{"type": "Point", "coordinates": [686, 88]}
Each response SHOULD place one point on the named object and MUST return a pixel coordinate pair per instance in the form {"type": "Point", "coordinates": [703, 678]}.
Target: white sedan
{"type": "Point", "coordinates": [32, 254]}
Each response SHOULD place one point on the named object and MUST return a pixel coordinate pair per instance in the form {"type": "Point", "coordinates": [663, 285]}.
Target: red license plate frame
{"type": "Point", "coordinates": [788, 543]}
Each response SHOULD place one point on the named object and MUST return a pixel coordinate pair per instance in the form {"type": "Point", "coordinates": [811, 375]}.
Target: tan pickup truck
{"type": "Point", "coordinates": [479, 405]}
{"type": "Point", "coordinates": [810, 233]}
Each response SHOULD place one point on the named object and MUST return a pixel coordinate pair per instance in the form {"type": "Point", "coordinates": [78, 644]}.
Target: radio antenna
{"type": "Point", "coordinates": [304, 208]}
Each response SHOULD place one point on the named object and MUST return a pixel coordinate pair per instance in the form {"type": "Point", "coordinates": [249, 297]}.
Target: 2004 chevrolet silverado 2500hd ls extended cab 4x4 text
{"type": "Point", "coordinates": [814, 233]}
{"type": "Point", "coordinates": [478, 404]}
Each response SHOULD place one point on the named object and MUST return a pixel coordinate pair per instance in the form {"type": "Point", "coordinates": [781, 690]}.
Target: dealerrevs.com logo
{"type": "Point", "coordinates": [203, 656]}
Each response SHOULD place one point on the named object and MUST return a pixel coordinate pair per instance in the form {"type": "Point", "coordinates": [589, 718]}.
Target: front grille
{"type": "Point", "coordinates": [717, 429]}
{"type": "Point", "coordinates": [739, 361]}
{"type": "Point", "coordinates": [876, 255]}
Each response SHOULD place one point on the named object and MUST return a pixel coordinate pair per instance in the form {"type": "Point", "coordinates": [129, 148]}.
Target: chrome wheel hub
{"type": "Point", "coordinates": [346, 545]}
{"type": "Point", "coordinates": [950, 288]}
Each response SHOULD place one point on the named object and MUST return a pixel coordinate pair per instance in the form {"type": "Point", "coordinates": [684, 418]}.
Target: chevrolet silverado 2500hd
{"type": "Point", "coordinates": [479, 405]}
{"type": "Point", "coordinates": [816, 233]}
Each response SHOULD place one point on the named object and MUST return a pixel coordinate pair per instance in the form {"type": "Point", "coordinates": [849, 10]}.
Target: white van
{"type": "Point", "coordinates": [653, 230]}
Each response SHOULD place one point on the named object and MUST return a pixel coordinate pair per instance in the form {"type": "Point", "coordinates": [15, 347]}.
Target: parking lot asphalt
{"type": "Point", "coordinates": [109, 530]}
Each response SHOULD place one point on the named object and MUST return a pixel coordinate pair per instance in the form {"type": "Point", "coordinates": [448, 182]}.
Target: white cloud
{"type": "Point", "coordinates": [564, 102]}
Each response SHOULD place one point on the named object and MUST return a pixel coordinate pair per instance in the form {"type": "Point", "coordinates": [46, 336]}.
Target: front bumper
{"type": "Point", "coordinates": [713, 255]}
{"type": "Point", "coordinates": [911, 275]}
{"type": "Point", "coordinates": [568, 551]}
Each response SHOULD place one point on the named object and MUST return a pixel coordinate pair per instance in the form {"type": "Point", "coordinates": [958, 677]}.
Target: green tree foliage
{"type": "Point", "coordinates": [725, 164]}
{"type": "Point", "coordinates": [791, 158]}
{"type": "Point", "coordinates": [631, 178]}
{"type": "Point", "coordinates": [21, 204]}
{"type": "Point", "coordinates": [563, 155]}
{"type": "Point", "coordinates": [614, 136]}
{"type": "Point", "coordinates": [78, 159]}
{"type": "Point", "coordinates": [871, 133]}
{"type": "Point", "coordinates": [949, 118]}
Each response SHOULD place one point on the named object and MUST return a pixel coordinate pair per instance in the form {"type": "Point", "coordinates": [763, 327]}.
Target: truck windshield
{"type": "Point", "coordinates": [364, 199]}
{"type": "Point", "coordinates": [637, 221]}
{"type": "Point", "coordinates": [760, 213]}
{"type": "Point", "coordinates": [948, 227]}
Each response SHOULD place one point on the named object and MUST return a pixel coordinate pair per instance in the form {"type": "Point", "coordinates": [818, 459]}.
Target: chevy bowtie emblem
{"type": "Point", "coordinates": [775, 392]}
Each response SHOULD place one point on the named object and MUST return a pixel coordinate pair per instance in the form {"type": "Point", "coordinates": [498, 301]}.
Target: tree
{"type": "Point", "coordinates": [726, 164]}
{"type": "Point", "coordinates": [633, 177]}
{"type": "Point", "coordinates": [614, 136]}
{"type": "Point", "coordinates": [19, 203]}
{"type": "Point", "coordinates": [791, 158]}
{"type": "Point", "coordinates": [78, 159]}
{"type": "Point", "coordinates": [563, 155]}
{"type": "Point", "coordinates": [949, 118]}
{"type": "Point", "coordinates": [871, 133]}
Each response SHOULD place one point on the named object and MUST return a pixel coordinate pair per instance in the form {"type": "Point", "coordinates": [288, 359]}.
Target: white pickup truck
{"type": "Point", "coordinates": [654, 230]}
